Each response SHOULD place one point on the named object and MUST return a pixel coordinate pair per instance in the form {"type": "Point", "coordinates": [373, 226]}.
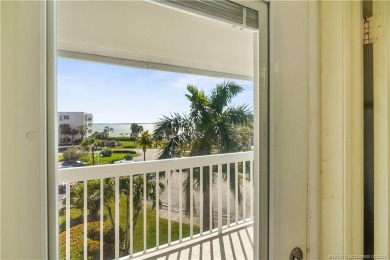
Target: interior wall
{"type": "Point", "coordinates": [341, 128]}
{"type": "Point", "coordinates": [23, 134]}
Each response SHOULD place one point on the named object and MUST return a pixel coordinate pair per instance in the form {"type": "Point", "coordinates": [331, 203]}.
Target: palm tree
{"type": "Point", "coordinates": [210, 128]}
{"type": "Point", "coordinates": [65, 131]}
{"type": "Point", "coordinates": [146, 141]}
{"type": "Point", "coordinates": [93, 145]}
{"type": "Point", "coordinates": [82, 130]}
{"type": "Point", "coordinates": [73, 132]}
{"type": "Point", "coordinates": [93, 199]}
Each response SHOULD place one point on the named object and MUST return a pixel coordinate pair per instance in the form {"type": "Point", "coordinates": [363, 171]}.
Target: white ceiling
{"type": "Point", "coordinates": [152, 34]}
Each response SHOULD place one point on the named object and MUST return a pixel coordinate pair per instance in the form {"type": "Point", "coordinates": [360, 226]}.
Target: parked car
{"type": "Point", "coordinates": [66, 164]}
{"type": "Point", "coordinates": [123, 161]}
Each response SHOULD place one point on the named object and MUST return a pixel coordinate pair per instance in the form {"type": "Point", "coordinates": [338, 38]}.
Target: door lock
{"type": "Point", "coordinates": [296, 254]}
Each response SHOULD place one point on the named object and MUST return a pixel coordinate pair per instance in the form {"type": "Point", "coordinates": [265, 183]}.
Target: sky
{"type": "Point", "coordinates": [118, 94]}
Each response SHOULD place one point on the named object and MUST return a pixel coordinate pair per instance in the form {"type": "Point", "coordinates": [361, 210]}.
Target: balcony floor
{"type": "Point", "coordinates": [236, 243]}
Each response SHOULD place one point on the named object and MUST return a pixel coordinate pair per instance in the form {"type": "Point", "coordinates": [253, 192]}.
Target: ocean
{"type": "Point", "coordinates": [121, 128]}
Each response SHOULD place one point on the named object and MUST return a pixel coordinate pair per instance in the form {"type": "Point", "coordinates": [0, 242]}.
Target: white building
{"type": "Point", "coordinates": [74, 120]}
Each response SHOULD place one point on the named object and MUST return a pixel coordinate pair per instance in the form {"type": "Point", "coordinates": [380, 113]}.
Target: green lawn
{"type": "Point", "coordinates": [105, 160]}
{"type": "Point", "coordinates": [127, 145]}
{"type": "Point", "coordinates": [102, 160]}
{"type": "Point", "coordinates": [93, 236]}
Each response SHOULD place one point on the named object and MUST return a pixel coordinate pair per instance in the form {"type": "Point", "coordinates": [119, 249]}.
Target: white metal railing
{"type": "Point", "coordinates": [238, 162]}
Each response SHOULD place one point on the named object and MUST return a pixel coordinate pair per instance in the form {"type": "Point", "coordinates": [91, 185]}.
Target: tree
{"type": "Point", "coordinates": [73, 153]}
{"type": "Point", "coordinates": [106, 132]}
{"type": "Point", "coordinates": [139, 197]}
{"type": "Point", "coordinates": [73, 132]}
{"type": "Point", "coordinates": [93, 145]}
{"type": "Point", "coordinates": [65, 130]}
{"type": "Point", "coordinates": [135, 130]}
{"type": "Point", "coordinates": [93, 199]}
{"type": "Point", "coordinates": [211, 127]}
{"type": "Point", "coordinates": [245, 138]}
{"type": "Point", "coordinates": [146, 141]}
{"type": "Point", "coordinates": [82, 130]}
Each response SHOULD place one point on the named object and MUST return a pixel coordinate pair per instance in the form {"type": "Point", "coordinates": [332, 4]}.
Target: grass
{"type": "Point", "coordinates": [126, 145]}
{"type": "Point", "coordinates": [104, 160]}
{"type": "Point", "coordinates": [76, 216]}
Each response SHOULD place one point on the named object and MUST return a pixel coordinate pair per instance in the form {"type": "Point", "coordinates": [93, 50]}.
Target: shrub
{"type": "Point", "coordinates": [77, 238]}
{"type": "Point", "coordinates": [106, 152]}
{"type": "Point", "coordinates": [78, 141]}
{"type": "Point", "coordinates": [112, 144]}
{"type": "Point", "coordinates": [125, 151]}
{"type": "Point", "coordinates": [107, 143]}
{"type": "Point", "coordinates": [73, 153]}
{"type": "Point", "coordinates": [128, 157]}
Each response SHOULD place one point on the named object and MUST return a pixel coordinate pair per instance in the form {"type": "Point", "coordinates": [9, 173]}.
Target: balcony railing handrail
{"type": "Point", "coordinates": [129, 169]}
{"type": "Point", "coordinates": [84, 174]}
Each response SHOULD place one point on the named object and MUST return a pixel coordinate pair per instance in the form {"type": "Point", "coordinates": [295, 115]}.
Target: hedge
{"type": "Point", "coordinates": [119, 138]}
{"type": "Point", "coordinates": [124, 151]}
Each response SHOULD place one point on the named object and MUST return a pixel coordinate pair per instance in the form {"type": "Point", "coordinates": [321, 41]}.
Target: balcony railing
{"type": "Point", "coordinates": [229, 198]}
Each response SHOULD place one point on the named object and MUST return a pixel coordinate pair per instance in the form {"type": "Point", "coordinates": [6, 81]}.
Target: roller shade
{"type": "Point", "coordinates": [222, 10]}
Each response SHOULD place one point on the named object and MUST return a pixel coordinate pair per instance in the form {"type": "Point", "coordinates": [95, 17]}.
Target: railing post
{"type": "Point", "coordinates": [101, 217]}
{"type": "Point", "coordinates": [116, 217]}
{"type": "Point", "coordinates": [228, 194]}
{"type": "Point", "coordinates": [211, 196]}
{"type": "Point", "coordinates": [191, 202]}
{"type": "Point", "coordinates": [219, 172]}
{"type": "Point", "coordinates": [157, 209]}
{"type": "Point", "coordinates": [201, 199]}
{"type": "Point", "coordinates": [169, 208]}
{"type": "Point", "coordinates": [244, 190]}
{"type": "Point", "coordinates": [85, 220]}
{"type": "Point", "coordinates": [251, 186]}
{"type": "Point", "coordinates": [180, 205]}
{"type": "Point", "coordinates": [236, 190]}
{"type": "Point", "coordinates": [67, 221]}
{"type": "Point", "coordinates": [131, 215]}
{"type": "Point", "coordinates": [145, 210]}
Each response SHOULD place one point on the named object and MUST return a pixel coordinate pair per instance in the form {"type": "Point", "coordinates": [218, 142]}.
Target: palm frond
{"type": "Point", "coordinates": [199, 103]}
{"type": "Point", "coordinates": [227, 138]}
{"type": "Point", "coordinates": [237, 116]}
{"type": "Point", "coordinates": [222, 95]}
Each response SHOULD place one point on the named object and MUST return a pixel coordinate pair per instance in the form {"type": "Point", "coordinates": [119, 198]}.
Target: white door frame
{"type": "Point", "coordinates": [261, 200]}
{"type": "Point", "coordinates": [341, 128]}
{"type": "Point", "coordinates": [294, 204]}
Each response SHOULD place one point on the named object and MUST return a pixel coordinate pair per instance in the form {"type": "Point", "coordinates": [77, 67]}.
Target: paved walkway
{"type": "Point", "coordinates": [151, 154]}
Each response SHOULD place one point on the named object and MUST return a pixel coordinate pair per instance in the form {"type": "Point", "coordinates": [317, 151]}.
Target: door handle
{"type": "Point", "coordinates": [296, 254]}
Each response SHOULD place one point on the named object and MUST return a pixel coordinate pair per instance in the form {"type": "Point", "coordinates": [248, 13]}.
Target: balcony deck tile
{"type": "Point", "coordinates": [233, 245]}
